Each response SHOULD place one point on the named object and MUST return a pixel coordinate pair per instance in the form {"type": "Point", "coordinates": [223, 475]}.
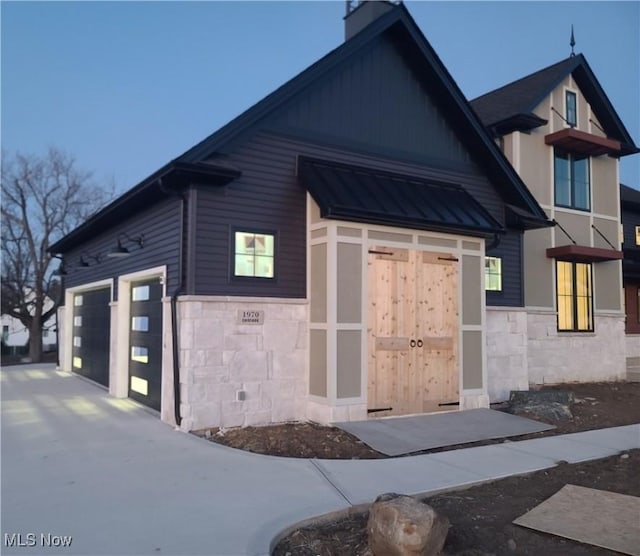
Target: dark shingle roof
{"type": "Point", "coordinates": [520, 98]}
{"type": "Point", "coordinates": [629, 197]}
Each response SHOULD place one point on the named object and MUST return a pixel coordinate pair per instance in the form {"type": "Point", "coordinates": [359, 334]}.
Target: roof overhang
{"type": "Point", "coordinates": [583, 254]}
{"type": "Point", "coordinates": [581, 142]}
{"type": "Point", "coordinates": [524, 122]}
{"type": "Point", "coordinates": [167, 181]}
{"type": "Point", "coordinates": [523, 220]}
{"type": "Point", "coordinates": [358, 194]}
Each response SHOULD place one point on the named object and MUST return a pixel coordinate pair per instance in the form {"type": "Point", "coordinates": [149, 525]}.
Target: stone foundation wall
{"type": "Point", "coordinates": [575, 357]}
{"type": "Point", "coordinates": [326, 414]}
{"type": "Point", "coordinates": [506, 352]}
{"type": "Point", "coordinates": [632, 345]}
{"type": "Point", "coordinates": [220, 356]}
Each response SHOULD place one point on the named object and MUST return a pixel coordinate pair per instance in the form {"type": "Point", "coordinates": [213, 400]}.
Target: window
{"type": "Point", "coordinates": [637, 235]}
{"type": "Point", "coordinates": [575, 297]}
{"type": "Point", "coordinates": [140, 293]}
{"type": "Point", "coordinates": [5, 332]}
{"type": "Point", "coordinates": [139, 385]}
{"type": "Point", "coordinates": [571, 108]}
{"type": "Point", "coordinates": [139, 354]}
{"type": "Point", "coordinates": [571, 177]}
{"type": "Point", "coordinates": [140, 324]}
{"type": "Point", "coordinates": [493, 274]}
{"type": "Point", "coordinates": [77, 341]}
{"type": "Point", "coordinates": [254, 255]}
{"type": "Point", "coordinates": [77, 300]}
{"type": "Point", "coordinates": [77, 321]}
{"type": "Point", "coordinates": [77, 363]}
{"type": "Point", "coordinates": [45, 332]}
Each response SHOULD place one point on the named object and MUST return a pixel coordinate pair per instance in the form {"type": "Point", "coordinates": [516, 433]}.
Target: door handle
{"type": "Point", "coordinates": [412, 343]}
{"type": "Point", "coordinates": [420, 343]}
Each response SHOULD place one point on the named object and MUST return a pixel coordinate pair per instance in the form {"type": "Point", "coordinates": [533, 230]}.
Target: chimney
{"type": "Point", "coordinates": [361, 13]}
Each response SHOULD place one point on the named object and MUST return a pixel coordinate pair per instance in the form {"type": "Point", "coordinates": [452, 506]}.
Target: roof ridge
{"type": "Point", "coordinates": [525, 77]}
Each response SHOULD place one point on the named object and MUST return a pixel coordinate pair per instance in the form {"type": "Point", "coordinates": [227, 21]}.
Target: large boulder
{"type": "Point", "coordinates": [402, 526]}
{"type": "Point", "coordinates": [549, 405]}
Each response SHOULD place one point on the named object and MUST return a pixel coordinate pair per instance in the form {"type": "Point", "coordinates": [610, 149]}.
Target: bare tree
{"type": "Point", "coordinates": [43, 198]}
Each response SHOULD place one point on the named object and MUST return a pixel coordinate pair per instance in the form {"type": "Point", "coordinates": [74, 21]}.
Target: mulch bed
{"type": "Point", "coordinates": [598, 405]}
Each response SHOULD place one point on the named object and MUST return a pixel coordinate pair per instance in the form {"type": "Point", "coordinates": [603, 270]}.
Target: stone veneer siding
{"type": "Point", "coordinates": [575, 357]}
{"type": "Point", "coordinates": [506, 352]}
{"type": "Point", "coordinates": [219, 357]}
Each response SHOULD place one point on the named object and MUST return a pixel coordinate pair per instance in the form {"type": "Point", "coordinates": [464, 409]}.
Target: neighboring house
{"type": "Point", "coordinates": [630, 207]}
{"type": "Point", "coordinates": [564, 138]}
{"type": "Point", "coordinates": [16, 336]}
{"type": "Point", "coordinates": [322, 256]}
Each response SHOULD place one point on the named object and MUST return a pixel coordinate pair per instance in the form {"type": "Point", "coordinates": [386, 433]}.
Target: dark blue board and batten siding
{"type": "Point", "coordinates": [268, 197]}
{"type": "Point", "coordinates": [160, 225]}
{"type": "Point", "coordinates": [510, 251]}
{"type": "Point", "coordinates": [378, 103]}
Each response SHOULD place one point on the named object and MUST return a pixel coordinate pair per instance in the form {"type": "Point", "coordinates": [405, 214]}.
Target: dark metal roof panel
{"type": "Point", "coordinates": [354, 193]}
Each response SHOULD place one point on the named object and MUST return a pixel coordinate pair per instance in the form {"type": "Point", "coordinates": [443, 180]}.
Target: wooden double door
{"type": "Point", "coordinates": [412, 332]}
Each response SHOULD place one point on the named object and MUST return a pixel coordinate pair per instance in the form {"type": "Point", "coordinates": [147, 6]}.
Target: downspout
{"type": "Point", "coordinates": [174, 306]}
{"type": "Point", "coordinates": [494, 243]}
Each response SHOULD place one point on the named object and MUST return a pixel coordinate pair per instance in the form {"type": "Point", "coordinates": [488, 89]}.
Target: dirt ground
{"type": "Point", "coordinates": [481, 516]}
{"type": "Point", "coordinates": [598, 405]}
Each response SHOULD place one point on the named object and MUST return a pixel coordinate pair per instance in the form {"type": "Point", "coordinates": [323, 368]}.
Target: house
{"type": "Point", "coordinates": [630, 208]}
{"type": "Point", "coordinates": [321, 257]}
{"type": "Point", "coordinates": [15, 336]}
{"type": "Point", "coordinates": [563, 136]}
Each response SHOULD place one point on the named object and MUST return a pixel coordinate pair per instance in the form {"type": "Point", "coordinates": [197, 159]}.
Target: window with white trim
{"type": "Point", "coordinates": [254, 255]}
{"type": "Point", "coordinates": [493, 274]}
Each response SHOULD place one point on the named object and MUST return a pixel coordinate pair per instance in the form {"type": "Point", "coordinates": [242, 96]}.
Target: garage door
{"type": "Point", "coordinates": [91, 334]}
{"type": "Point", "coordinates": [145, 344]}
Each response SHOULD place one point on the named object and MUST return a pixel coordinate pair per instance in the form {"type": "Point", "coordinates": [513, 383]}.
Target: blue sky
{"type": "Point", "coordinates": [127, 86]}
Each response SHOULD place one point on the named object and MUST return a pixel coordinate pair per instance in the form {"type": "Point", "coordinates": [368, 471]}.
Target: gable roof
{"type": "Point", "coordinates": [500, 108]}
{"type": "Point", "coordinates": [399, 25]}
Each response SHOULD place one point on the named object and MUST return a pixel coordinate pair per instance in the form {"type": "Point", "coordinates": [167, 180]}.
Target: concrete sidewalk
{"type": "Point", "coordinates": [109, 474]}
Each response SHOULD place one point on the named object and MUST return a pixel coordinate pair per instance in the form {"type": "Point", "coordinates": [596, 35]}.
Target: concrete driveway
{"type": "Point", "coordinates": [110, 476]}
{"type": "Point", "coordinates": [76, 462]}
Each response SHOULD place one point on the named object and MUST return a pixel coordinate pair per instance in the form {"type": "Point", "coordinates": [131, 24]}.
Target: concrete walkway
{"type": "Point", "coordinates": [78, 463]}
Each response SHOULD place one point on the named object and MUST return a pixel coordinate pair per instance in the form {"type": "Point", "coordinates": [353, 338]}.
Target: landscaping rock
{"type": "Point", "coordinates": [551, 405]}
{"type": "Point", "coordinates": [402, 526]}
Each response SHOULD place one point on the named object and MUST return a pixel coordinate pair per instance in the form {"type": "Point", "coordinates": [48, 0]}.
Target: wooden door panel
{"type": "Point", "coordinates": [412, 331]}
{"type": "Point", "coordinates": [437, 325]}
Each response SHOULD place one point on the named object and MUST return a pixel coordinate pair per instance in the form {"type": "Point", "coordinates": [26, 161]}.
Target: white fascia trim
{"type": "Point", "coordinates": [99, 284]}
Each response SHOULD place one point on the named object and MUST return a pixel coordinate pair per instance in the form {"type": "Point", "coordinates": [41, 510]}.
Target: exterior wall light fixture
{"type": "Point", "coordinates": [121, 250]}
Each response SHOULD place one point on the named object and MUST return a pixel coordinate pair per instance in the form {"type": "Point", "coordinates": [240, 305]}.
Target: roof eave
{"type": "Point", "coordinates": [177, 174]}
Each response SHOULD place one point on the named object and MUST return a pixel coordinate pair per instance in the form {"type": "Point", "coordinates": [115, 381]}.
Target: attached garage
{"type": "Point", "coordinates": [91, 334]}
